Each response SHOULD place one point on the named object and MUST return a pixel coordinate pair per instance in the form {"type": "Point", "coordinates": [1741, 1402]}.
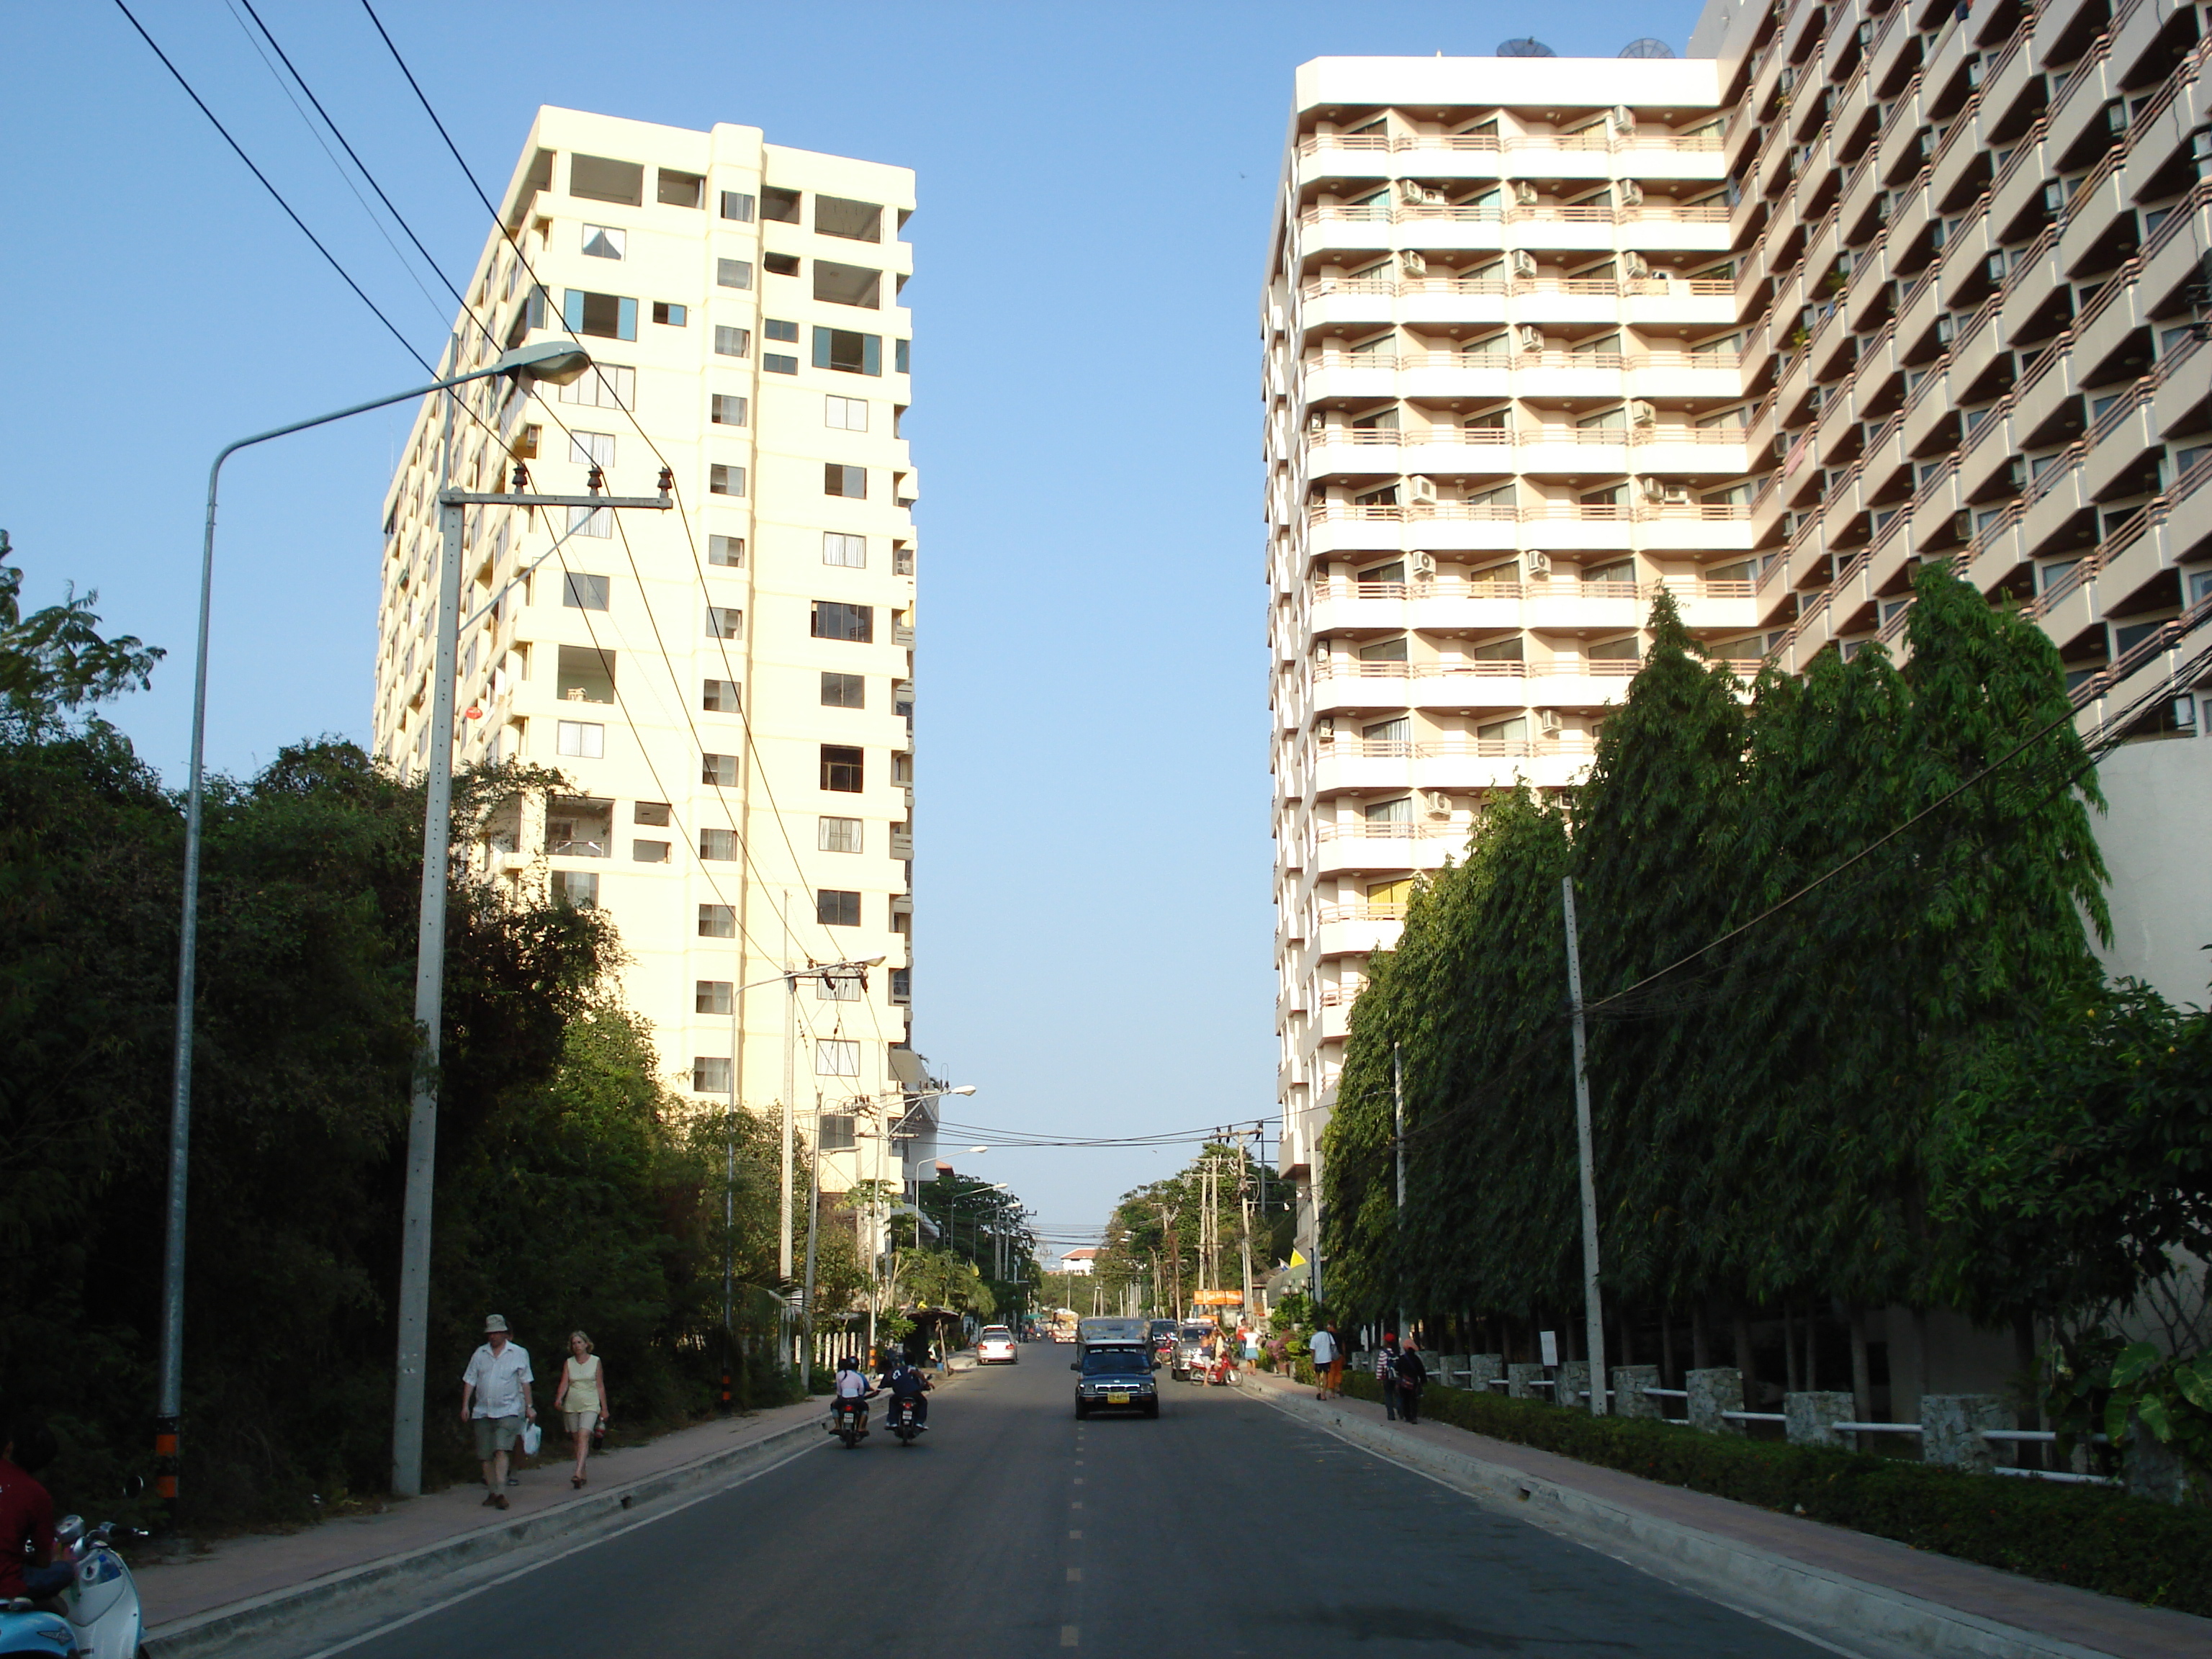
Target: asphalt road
{"type": "Point", "coordinates": [1223, 1528]}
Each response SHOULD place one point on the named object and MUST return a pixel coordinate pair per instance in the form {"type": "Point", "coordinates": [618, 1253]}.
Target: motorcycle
{"type": "Point", "coordinates": [904, 1422]}
{"type": "Point", "coordinates": [1222, 1372]}
{"type": "Point", "coordinates": [101, 1620]}
{"type": "Point", "coordinates": [849, 1421]}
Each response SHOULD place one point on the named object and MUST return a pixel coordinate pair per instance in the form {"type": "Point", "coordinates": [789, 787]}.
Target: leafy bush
{"type": "Point", "coordinates": [2095, 1538]}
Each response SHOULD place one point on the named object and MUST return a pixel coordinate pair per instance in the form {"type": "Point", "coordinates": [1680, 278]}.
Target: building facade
{"type": "Point", "coordinates": [1765, 327]}
{"type": "Point", "coordinates": [728, 687]}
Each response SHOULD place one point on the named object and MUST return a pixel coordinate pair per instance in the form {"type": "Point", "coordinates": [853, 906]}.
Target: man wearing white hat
{"type": "Point", "coordinates": [495, 1402]}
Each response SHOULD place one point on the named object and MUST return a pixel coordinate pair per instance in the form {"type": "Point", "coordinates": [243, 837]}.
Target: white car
{"type": "Point", "coordinates": [996, 1346]}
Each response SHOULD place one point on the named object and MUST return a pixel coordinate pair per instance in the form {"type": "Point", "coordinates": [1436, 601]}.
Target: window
{"type": "Point", "coordinates": [584, 592]}
{"type": "Point", "coordinates": [778, 330]}
{"type": "Point", "coordinates": [778, 363]}
{"type": "Point", "coordinates": [847, 352]}
{"type": "Point", "coordinates": [849, 482]}
{"type": "Point", "coordinates": [648, 852]}
{"type": "Point", "coordinates": [836, 1057]}
{"type": "Point", "coordinates": [1400, 730]}
{"type": "Point", "coordinates": [738, 206]}
{"type": "Point", "coordinates": [726, 480]}
{"type": "Point", "coordinates": [720, 770]}
{"type": "Point", "coordinates": [780, 264]}
{"type": "Point", "coordinates": [671, 316]}
{"type": "Point", "coordinates": [1614, 651]}
{"type": "Point", "coordinates": [780, 205]}
{"type": "Point", "coordinates": [845, 414]}
{"type": "Point", "coordinates": [710, 1075]}
{"type": "Point", "coordinates": [725, 408]}
{"type": "Point", "coordinates": [857, 222]}
{"type": "Point", "coordinates": [711, 996]}
{"type": "Point", "coordinates": [608, 316]}
{"type": "Point", "coordinates": [579, 887]}
{"type": "Point", "coordinates": [727, 551]}
{"type": "Point", "coordinates": [1392, 650]}
{"type": "Point", "coordinates": [718, 696]}
{"type": "Point", "coordinates": [596, 178]}
{"type": "Point", "coordinates": [901, 559]}
{"type": "Point", "coordinates": [591, 521]}
{"type": "Point", "coordinates": [833, 619]}
{"type": "Point", "coordinates": [835, 907]}
{"type": "Point", "coordinates": [834, 1132]}
{"type": "Point", "coordinates": [844, 691]}
{"type": "Point", "coordinates": [605, 242]}
{"type": "Point", "coordinates": [901, 985]}
{"type": "Point", "coordinates": [718, 922]}
{"type": "Point", "coordinates": [842, 769]}
{"type": "Point", "coordinates": [584, 675]}
{"type": "Point", "coordinates": [591, 448]}
{"type": "Point", "coordinates": [718, 844]}
{"type": "Point", "coordinates": [675, 189]}
{"type": "Point", "coordinates": [733, 342]}
{"type": "Point", "coordinates": [848, 285]}
{"type": "Point", "coordinates": [839, 835]}
{"type": "Point", "coordinates": [734, 273]}
{"type": "Point", "coordinates": [581, 739]}
{"type": "Point", "coordinates": [1399, 811]}
{"type": "Point", "coordinates": [649, 811]}
{"type": "Point", "coordinates": [850, 551]}
{"type": "Point", "coordinates": [608, 385]}
{"type": "Point", "coordinates": [1515, 730]}
{"type": "Point", "coordinates": [837, 987]}
{"type": "Point", "coordinates": [724, 622]}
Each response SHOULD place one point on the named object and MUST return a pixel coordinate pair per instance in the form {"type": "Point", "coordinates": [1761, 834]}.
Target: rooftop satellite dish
{"type": "Point", "coordinates": [1528, 47]}
{"type": "Point", "coordinates": [1647, 47]}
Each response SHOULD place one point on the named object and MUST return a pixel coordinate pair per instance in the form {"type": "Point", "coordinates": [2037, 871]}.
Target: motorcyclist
{"type": "Point", "coordinates": [852, 1387]}
{"type": "Point", "coordinates": [902, 1381]}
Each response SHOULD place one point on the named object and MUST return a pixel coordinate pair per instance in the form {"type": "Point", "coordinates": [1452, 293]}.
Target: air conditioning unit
{"type": "Point", "coordinates": [1944, 325]}
{"type": "Point", "coordinates": [1325, 729]}
{"type": "Point", "coordinates": [1548, 723]}
{"type": "Point", "coordinates": [1524, 193]}
{"type": "Point", "coordinates": [1527, 338]}
{"type": "Point", "coordinates": [1540, 564]}
{"type": "Point", "coordinates": [1414, 194]}
{"type": "Point", "coordinates": [1962, 525]}
{"type": "Point", "coordinates": [1524, 265]}
{"type": "Point", "coordinates": [1421, 492]}
{"type": "Point", "coordinates": [1641, 413]}
{"type": "Point", "coordinates": [2116, 117]}
{"type": "Point", "coordinates": [1424, 567]}
{"type": "Point", "coordinates": [1436, 804]}
{"type": "Point", "coordinates": [2016, 473]}
{"type": "Point", "coordinates": [1635, 267]}
{"type": "Point", "coordinates": [1411, 262]}
{"type": "Point", "coordinates": [1631, 193]}
{"type": "Point", "coordinates": [1315, 423]}
{"type": "Point", "coordinates": [1623, 118]}
{"type": "Point", "coordinates": [1883, 205]}
{"type": "Point", "coordinates": [1650, 488]}
{"type": "Point", "coordinates": [1997, 267]}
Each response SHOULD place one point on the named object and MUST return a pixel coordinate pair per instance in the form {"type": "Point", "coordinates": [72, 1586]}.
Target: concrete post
{"type": "Point", "coordinates": [1483, 1369]}
{"type": "Point", "coordinates": [1813, 1416]}
{"type": "Point", "coordinates": [1951, 1426]}
{"type": "Point", "coordinates": [1713, 1391]}
{"type": "Point", "coordinates": [1574, 1378]}
{"type": "Point", "coordinates": [1518, 1379]}
{"type": "Point", "coordinates": [1451, 1370]}
{"type": "Point", "coordinates": [2150, 1469]}
{"type": "Point", "coordinates": [1629, 1383]}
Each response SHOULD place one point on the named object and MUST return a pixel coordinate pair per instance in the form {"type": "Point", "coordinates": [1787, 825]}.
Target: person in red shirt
{"type": "Point", "coordinates": [27, 1566]}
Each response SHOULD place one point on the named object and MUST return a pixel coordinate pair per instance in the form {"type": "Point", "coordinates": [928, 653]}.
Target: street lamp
{"type": "Point", "coordinates": [558, 361]}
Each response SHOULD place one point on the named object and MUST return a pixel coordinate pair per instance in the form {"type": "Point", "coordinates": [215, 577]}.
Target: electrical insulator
{"type": "Point", "coordinates": [595, 481]}
{"type": "Point", "coordinates": [522, 478]}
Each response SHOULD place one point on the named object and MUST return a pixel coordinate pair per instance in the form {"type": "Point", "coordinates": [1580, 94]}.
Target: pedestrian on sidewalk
{"type": "Point", "coordinates": [27, 1566]}
{"type": "Point", "coordinates": [1386, 1374]}
{"type": "Point", "coordinates": [1412, 1377]}
{"type": "Point", "coordinates": [495, 1403]}
{"type": "Point", "coordinates": [582, 1399]}
{"type": "Point", "coordinates": [1323, 1344]}
{"type": "Point", "coordinates": [1335, 1362]}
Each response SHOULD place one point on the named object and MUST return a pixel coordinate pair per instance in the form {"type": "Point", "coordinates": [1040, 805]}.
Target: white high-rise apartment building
{"type": "Point", "coordinates": [728, 686]}
{"type": "Point", "coordinates": [1853, 288]}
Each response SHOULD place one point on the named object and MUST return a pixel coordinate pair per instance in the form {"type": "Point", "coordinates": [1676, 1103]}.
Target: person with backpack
{"type": "Point", "coordinates": [1412, 1377]}
{"type": "Point", "coordinates": [1386, 1374]}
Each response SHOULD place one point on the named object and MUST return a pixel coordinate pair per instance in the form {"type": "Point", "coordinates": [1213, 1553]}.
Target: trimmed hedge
{"type": "Point", "coordinates": [2095, 1538]}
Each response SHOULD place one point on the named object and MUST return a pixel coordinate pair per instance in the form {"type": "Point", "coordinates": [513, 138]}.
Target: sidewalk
{"type": "Point", "coordinates": [1733, 1537]}
{"type": "Point", "coordinates": [245, 1570]}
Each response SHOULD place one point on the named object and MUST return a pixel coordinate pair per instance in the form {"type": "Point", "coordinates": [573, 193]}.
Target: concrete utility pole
{"type": "Point", "coordinates": [1398, 1139]}
{"type": "Point", "coordinates": [430, 950]}
{"type": "Point", "coordinates": [1593, 1308]}
{"type": "Point", "coordinates": [1244, 1204]}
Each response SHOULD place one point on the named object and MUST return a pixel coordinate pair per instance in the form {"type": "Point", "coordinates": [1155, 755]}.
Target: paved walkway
{"type": "Point", "coordinates": [239, 1569]}
{"type": "Point", "coordinates": [2103, 1623]}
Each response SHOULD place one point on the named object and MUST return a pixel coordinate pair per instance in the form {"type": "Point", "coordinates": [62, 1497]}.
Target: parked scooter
{"type": "Point", "coordinates": [102, 1618]}
{"type": "Point", "coordinates": [903, 1421]}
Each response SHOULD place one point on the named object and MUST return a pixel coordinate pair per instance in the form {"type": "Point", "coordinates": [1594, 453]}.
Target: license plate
{"type": "Point", "coordinates": [1117, 1399]}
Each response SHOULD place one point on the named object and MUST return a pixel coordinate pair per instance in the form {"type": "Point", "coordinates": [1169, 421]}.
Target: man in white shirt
{"type": "Point", "coordinates": [1323, 1344]}
{"type": "Point", "coordinates": [495, 1402]}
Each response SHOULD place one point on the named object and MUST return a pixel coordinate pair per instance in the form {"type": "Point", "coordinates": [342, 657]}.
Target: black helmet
{"type": "Point", "coordinates": [848, 1362]}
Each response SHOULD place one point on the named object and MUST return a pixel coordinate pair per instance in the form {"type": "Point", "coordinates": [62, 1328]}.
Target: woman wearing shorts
{"type": "Point", "coordinates": [582, 1398]}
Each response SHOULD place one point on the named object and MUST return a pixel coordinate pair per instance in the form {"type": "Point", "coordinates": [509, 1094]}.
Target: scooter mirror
{"type": "Point", "coordinates": [1076, 1366]}
{"type": "Point", "coordinates": [68, 1530]}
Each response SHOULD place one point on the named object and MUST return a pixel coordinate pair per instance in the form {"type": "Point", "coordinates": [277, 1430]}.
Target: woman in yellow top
{"type": "Point", "coordinates": [582, 1399]}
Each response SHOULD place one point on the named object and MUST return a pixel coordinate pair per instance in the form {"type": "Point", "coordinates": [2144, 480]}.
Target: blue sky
{"type": "Point", "coordinates": [1093, 929]}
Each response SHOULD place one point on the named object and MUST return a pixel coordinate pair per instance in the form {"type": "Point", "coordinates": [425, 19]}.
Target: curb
{"type": "Point", "coordinates": [221, 1630]}
{"type": "Point", "coordinates": [1774, 1587]}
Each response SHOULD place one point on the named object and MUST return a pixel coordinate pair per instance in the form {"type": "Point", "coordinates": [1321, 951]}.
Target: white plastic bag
{"type": "Point", "coordinates": [532, 1434]}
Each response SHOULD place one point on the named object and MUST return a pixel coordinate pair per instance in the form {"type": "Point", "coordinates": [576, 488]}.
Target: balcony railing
{"type": "Point", "coordinates": [1600, 141]}
{"type": "Point", "coordinates": [1354, 668]}
{"type": "Point", "coordinates": [1516, 287]}
{"type": "Point", "coordinates": [1614, 360]}
{"type": "Point", "coordinates": [1645, 213]}
{"type": "Point", "coordinates": [1458, 588]}
{"type": "Point", "coordinates": [1541, 513]}
{"type": "Point", "coordinates": [1392, 437]}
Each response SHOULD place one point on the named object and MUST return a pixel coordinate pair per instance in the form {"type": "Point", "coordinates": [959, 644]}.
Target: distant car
{"type": "Point", "coordinates": [1162, 1335]}
{"type": "Point", "coordinates": [1118, 1378]}
{"type": "Point", "coordinates": [996, 1346]}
